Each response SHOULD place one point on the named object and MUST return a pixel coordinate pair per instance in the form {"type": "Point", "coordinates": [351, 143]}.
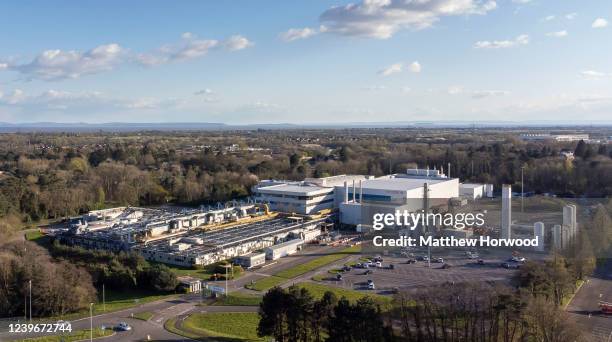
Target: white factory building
{"type": "Point", "coordinates": [348, 193]}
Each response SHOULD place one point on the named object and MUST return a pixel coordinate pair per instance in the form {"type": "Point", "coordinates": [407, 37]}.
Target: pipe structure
{"type": "Point", "coordinates": [354, 192]}
{"type": "Point", "coordinates": [361, 191]}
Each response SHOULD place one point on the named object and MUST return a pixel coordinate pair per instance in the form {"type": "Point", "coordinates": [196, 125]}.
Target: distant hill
{"type": "Point", "coordinates": [6, 127]}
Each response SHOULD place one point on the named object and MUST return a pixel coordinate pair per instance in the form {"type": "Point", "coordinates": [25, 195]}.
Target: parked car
{"type": "Point", "coordinates": [338, 276]}
{"type": "Point", "coordinates": [346, 268]}
{"type": "Point", "coordinates": [367, 272]}
{"type": "Point", "coordinates": [371, 285]}
{"type": "Point", "coordinates": [439, 260]}
{"type": "Point", "coordinates": [378, 259]}
{"type": "Point", "coordinates": [510, 265]}
{"type": "Point", "coordinates": [391, 267]}
{"type": "Point", "coordinates": [410, 261]}
{"type": "Point", "coordinates": [518, 259]}
{"type": "Point", "coordinates": [378, 264]}
{"type": "Point", "coordinates": [480, 262]}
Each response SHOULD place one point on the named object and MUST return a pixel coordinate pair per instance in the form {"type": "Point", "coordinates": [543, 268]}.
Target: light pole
{"type": "Point", "coordinates": [30, 282]}
{"type": "Point", "coordinates": [103, 299]}
{"type": "Point", "coordinates": [522, 188]}
{"type": "Point", "coordinates": [91, 322]}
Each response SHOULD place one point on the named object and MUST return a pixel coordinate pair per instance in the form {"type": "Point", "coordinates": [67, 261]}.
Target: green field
{"type": "Point", "coordinates": [318, 262]}
{"type": "Point", "coordinates": [116, 301]}
{"type": "Point", "coordinates": [78, 335]}
{"type": "Point", "coordinates": [266, 283]}
{"type": "Point", "coordinates": [242, 325]}
{"type": "Point", "coordinates": [296, 271]}
{"type": "Point", "coordinates": [317, 291]}
{"type": "Point", "coordinates": [204, 273]}
{"type": "Point", "coordinates": [238, 299]}
{"type": "Point", "coordinates": [145, 316]}
{"type": "Point", "coordinates": [39, 238]}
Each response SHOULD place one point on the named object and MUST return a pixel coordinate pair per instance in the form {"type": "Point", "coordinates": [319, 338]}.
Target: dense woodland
{"type": "Point", "coordinates": [51, 176]}
{"type": "Point", "coordinates": [57, 175]}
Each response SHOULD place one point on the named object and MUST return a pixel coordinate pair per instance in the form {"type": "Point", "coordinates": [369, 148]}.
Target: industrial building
{"type": "Point", "coordinates": [284, 249]}
{"type": "Point", "coordinates": [251, 260]}
{"type": "Point", "coordinates": [187, 238]}
{"type": "Point", "coordinates": [355, 197]}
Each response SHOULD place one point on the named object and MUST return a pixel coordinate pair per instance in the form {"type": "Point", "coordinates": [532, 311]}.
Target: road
{"type": "Point", "coordinates": [584, 309]}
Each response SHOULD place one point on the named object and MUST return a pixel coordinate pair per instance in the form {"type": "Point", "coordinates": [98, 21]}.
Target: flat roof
{"type": "Point", "coordinates": [470, 185]}
{"type": "Point", "coordinates": [401, 184]}
{"type": "Point", "coordinates": [304, 190]}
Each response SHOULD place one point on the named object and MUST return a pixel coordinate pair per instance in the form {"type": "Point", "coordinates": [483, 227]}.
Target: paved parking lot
{"type": "Point", "coordinates": [407, 276]}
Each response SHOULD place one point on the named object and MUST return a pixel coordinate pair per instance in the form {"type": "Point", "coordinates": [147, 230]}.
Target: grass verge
{"type": "Point", "coordinates": [243, 325]}
{"type": "Point", "coordinates": [318, 262]}
{"type": "Point", "coordinates": [296, 271]}
{"type": "Point", "coordinates": [238, 299]}
{"type": "Point", "coordinates": [116, 301]}
{"type": "Point", "coordinates": [266, 283]}
{"type": "Point", "coordinates": [78, 335]}
{"type": "Point", "coordinates": [145, 316]}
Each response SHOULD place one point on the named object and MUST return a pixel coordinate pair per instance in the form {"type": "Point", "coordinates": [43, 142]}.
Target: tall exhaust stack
{"type": "Point", "coordinates": [360, 191]}
{"type": "Point", "coordinates": [345, 192]}
{"type": "Point", "coordinates": [506, 214]}
{"type": "Point", "coordinates": [354, 191]}
{"type": "Point", "coordinates": [449, 175]}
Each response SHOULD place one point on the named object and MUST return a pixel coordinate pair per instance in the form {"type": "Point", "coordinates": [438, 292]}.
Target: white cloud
{"type": "Point", "coordinates": [549, 17]}
{"type": "Point", "coordinates": [502, 44]}
{"type": "Point", "coordinates": [297, 33]}
{"type": "Point", "coordinates": [64, 64]}
{"type": "Point", "coordinates": [15, 97]}
{"type": "Point", "coordinates": [599, 23]}
{"type": "Point", "coordinates": [374, 88]}
{"type": "Point", "coordinates": [415, 67]}
{"type": "Point", "coordinates": [381, 19]}
{"type": "Point", "coordinates": [480, 94]}
{"type": "Point", "coordinates": [59, 64]}
{"type": "Point", "coordinates": [594, 75]}
{"type": "Point", "coordinates": [521, 1]}
{"type": "Point", "coordinates": [455, 90]}
{"type": "Point", "coordinates": [237, 42]}
{"type": "Point", "coordinates": [205, 91]}
{"type": "Point", "coordinates": [406, 89]}
{"type": "Point", "coordinates": [91, 101]}
{"type": "Point", "coordinates": [571, 16]}
{"type": "Point", "coordinates": [557, 34]}
{"type": "Point", "coordinates": [391, 69]}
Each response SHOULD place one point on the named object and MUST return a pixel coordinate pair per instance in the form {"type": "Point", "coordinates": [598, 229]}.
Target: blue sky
{"type": "Point", "coordinates": [305, 62]}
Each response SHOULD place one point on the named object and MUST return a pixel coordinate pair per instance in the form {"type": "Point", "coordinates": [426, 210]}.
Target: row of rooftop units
{"type": "Point", "coordinates": [193, 238]}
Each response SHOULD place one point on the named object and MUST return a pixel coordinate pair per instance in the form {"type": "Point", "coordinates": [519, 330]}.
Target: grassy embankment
{"type": "Point", "coordinates": [298, 270]}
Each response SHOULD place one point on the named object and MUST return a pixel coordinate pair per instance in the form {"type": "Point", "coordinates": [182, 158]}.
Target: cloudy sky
{"type": "Point", "coordinates": [306, 62]}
